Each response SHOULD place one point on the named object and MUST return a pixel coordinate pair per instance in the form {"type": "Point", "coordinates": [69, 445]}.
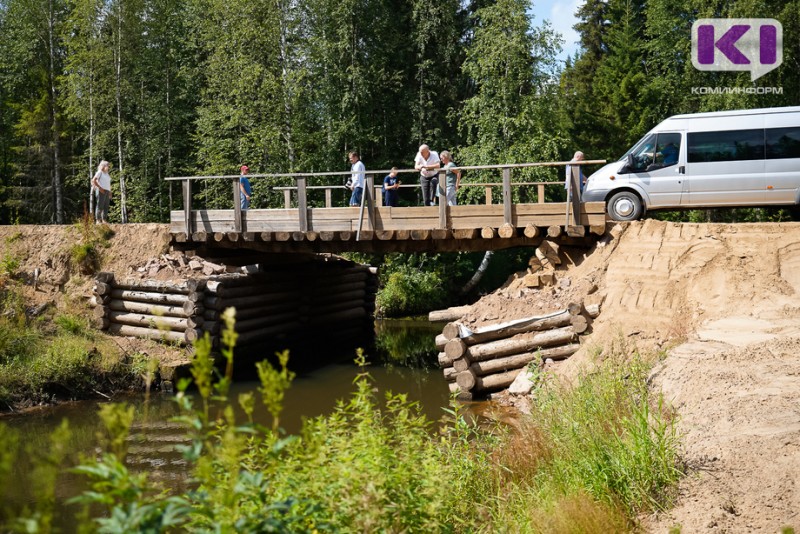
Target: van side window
{"type": "Point", "coordinates": [668, 148]}
{"type": "Point", "coordinates": [734, 145]}
{"type": "Point", "coordinates": [783, 143]}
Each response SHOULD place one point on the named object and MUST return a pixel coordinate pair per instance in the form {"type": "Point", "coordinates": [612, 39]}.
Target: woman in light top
{"type": "Point", "coordinates": [102, 183]}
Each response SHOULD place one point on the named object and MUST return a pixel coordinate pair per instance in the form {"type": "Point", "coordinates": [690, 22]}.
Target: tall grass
{"type": "Point", "coordinates": [588, 459]}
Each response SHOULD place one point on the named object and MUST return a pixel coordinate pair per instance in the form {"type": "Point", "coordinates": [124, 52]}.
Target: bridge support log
{"type": "Point", "coordinates": [487, 357]}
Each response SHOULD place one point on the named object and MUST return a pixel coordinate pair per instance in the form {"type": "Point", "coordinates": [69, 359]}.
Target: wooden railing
{"type": "Point", "coordinates": [371, 191]}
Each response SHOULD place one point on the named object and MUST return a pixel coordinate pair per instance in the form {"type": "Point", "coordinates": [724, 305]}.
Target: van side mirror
{"type": "Point", "coordinates": [630, 164]}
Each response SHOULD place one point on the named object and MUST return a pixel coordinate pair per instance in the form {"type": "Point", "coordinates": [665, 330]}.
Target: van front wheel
{"type": "Point", "coordinates": [625, 206]}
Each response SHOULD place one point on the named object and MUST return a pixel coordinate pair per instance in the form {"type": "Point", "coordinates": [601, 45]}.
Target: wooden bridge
{"type": "Point", "coordinates": [301, 228]}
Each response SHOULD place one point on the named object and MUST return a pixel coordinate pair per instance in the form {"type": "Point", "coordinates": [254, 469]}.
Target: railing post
{"type": "Point", "coordinates": [574, 194]}
{"type": "Point", "coordinates": [507, 196]}
{"type": "Point", "coordinates": [442, 199]}
{"type": "Point", "coordinates": [237, 207]}
{"type": "Point", "coordinates": [540, 193]}
{"type": "Point", "coordinates": [328, 197]}
{"type": "Point", "coordinates": [187, 208]}
{"type": "Point", "coordinates": [287, 198]}
{"type": "Point", "coordinates": [369, 189]}
{"type": "Point", "coordinates": [488, 195]}
{"type": "Point", "coordinates": [302, 203]}
{"type": "Point", "coordinates": [378, 196]}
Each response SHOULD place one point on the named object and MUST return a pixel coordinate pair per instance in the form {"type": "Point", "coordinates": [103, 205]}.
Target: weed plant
{"type": "Point", "coordinates": [588, 459]}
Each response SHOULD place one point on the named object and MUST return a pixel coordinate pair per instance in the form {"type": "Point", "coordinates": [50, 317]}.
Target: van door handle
{"type": "Point", "coordinates": [681, 170]}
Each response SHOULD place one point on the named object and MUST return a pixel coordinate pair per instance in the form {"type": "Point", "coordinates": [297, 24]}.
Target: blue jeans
{"type": "Point", "coordinates": [355, 198]}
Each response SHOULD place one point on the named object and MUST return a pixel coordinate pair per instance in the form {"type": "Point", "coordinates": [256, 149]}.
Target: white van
{"type": "Point", "coordinates": [726, 158]}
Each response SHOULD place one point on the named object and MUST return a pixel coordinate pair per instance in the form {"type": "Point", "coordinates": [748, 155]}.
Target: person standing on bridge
{"type": "Point", "coordinates": [390, 189]}
{"type": "Point", "coordinates": [427, 163]}
{"type": "Point", "coordinates": [581, 178]}
{"type": "Point", "coordinates": [356, 179]}
{"type": "Point", "coordinates": [245, 190]}
{"type": "Point", "coordinates": [452, 177]}
{"type": "Point", "coordinates": [102, 183]}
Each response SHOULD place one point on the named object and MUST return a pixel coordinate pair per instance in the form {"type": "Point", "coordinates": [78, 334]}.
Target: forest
{"type": "Point", "coordinates": [187, 87]}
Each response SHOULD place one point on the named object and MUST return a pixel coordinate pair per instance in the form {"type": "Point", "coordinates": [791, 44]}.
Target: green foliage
{"type": "Point", "coordinates": [72, 324]}
{"type": "Point", "coordinates": [409, 291]}
{"type": "Point", "coordinates": [9, 264]}
{"type": "Point", "coordinates": [588, 459]}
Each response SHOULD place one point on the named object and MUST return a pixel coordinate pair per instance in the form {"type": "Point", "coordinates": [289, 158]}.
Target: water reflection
{"type": "Point", "coordinates": [402, 361]}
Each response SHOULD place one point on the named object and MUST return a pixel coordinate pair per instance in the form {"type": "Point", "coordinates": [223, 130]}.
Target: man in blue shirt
{"type": "Point", "coordinates": [391, 186]}
{"type": "Point", "coordinates": [244, 188]}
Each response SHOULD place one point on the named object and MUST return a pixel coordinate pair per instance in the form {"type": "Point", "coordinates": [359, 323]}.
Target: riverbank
{"type": "Point", "coordinates": [49, 352]}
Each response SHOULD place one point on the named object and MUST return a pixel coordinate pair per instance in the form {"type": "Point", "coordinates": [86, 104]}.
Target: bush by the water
{"type": "Point", "coordinates": [409, 291]}
{"type": "Point", "coordinates": [588, 460]}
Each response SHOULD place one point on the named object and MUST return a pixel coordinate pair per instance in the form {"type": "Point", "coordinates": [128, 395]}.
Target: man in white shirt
{"type": "Point", "coordinates": [357, 179]}
{"type": "Point", "coordinates": [427, 162]}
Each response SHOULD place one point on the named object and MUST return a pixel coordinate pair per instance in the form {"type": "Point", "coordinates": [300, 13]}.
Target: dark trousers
{"type": "Point", "coordinates": [428, 189]}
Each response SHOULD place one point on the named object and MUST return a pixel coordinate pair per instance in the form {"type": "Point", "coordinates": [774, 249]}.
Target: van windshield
{"type": "Point", "coordinates": [635, 148]}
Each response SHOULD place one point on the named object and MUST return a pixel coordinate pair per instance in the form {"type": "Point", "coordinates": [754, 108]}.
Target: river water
{"type": "Point", "coordinates": [404, 361]}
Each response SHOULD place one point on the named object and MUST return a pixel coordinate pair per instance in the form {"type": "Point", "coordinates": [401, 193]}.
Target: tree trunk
{"type": "Point", "coordinates": [476, 278]}
{"type": "Point", "coordinates": [58, 193]}
{"type": "Point", "coordinates": [118, 80]}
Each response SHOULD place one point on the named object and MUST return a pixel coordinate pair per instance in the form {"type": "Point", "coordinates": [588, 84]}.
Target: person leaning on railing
{"type": "Point", "coordinates": [357, 178]}
{"type": "Point", "coordinates": [427, 162]}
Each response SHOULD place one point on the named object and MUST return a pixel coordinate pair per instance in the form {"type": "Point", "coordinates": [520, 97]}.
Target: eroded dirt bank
{"type": "Point", "coordinates": [721, 303]}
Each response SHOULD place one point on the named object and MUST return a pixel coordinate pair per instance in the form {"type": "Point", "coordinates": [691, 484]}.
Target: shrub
{"type": "Point", "coordinates": [409, 291]}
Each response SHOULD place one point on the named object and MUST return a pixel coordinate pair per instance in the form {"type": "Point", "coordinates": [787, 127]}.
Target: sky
{"type": "Point", "coordinates": [561, 14]}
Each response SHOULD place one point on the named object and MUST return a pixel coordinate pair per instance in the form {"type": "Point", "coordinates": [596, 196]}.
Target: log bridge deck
{"type": "Point", "coordinates": [375, 228]}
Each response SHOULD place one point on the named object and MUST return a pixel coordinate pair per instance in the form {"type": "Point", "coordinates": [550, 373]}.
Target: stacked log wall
{"type": "Point", "coordinates": [488, 359]}
{"type": "Point", "coordinates": [333, 298]}
{"type": "Point", "coordinates": [147, 309]}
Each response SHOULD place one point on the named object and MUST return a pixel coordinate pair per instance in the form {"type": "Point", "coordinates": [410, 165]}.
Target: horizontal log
{"type": "Point", "coordinates": [466, 233]}
{"type": "Point", "coordinates": [249, 313]}
{"type": "Point", "coordinates": [144, 307]}
{"type": "Point", "coordinates": [147, 296]}
{"type": "Point", "coordinates": [575, 308]}
{"type": "Point", "coordinates": [218, 303]}
{"type": "Point", "coordinates": [554, 231]}
{"type": "Point", "coordinates": [593, 310]}
{"type": "Point", "coordinates": [314, 311]}
{"type": "Point", "coordinates": [100, 311]}
{"type": "Point", "coordinates": [440, 342]}
{"type": "Point", "coordinates": [450, 330]}
{"type": "Point", "coordinates": [506, 231]}
{"type": "Point", "coordinates": [184, 287]}
{"type": "Point", "coordinates": [192, 308]}
{"type": "Point", "coordinates": [338, 317]}
{"type": "Point", "coordinates": [531, 231]}
{"type": "Point", "coordinates": [520, 343]}
{"type": "Point", "coordinates": [495, 331]}
{"type": "Point", "coordinates": [516, 361]}
{"type": "Point", "coordinates": [580, 324]}
{"type": "Point", "coordinates": [255, 323]}
{"type": "Point", "coordinates": [449, 314]}
{"type": "Point", "coordinates": [248, 338]}
{"type": "Point", "coordinates": [487, 232]}
{"type": "Point", "coordinates": [105, 277]}
{"type": "Point", "coordinates": [101, 323]}
{"type": "Point", "coordinates": [99, 300]}
{"type": "Point", "coordinates": [102, 288]}
{"type": "Point", "coordinates": [148, 333]}
{"type": "Point", "coordinates": [454, 349]}
{"type": "Point", "coordinates": [467, 380]}
{"type": "Point", "coordinates": [148, 321]}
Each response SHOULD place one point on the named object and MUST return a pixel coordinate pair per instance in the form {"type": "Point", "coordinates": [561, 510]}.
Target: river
{"type": "Point", "coordinates": [404, 362]}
